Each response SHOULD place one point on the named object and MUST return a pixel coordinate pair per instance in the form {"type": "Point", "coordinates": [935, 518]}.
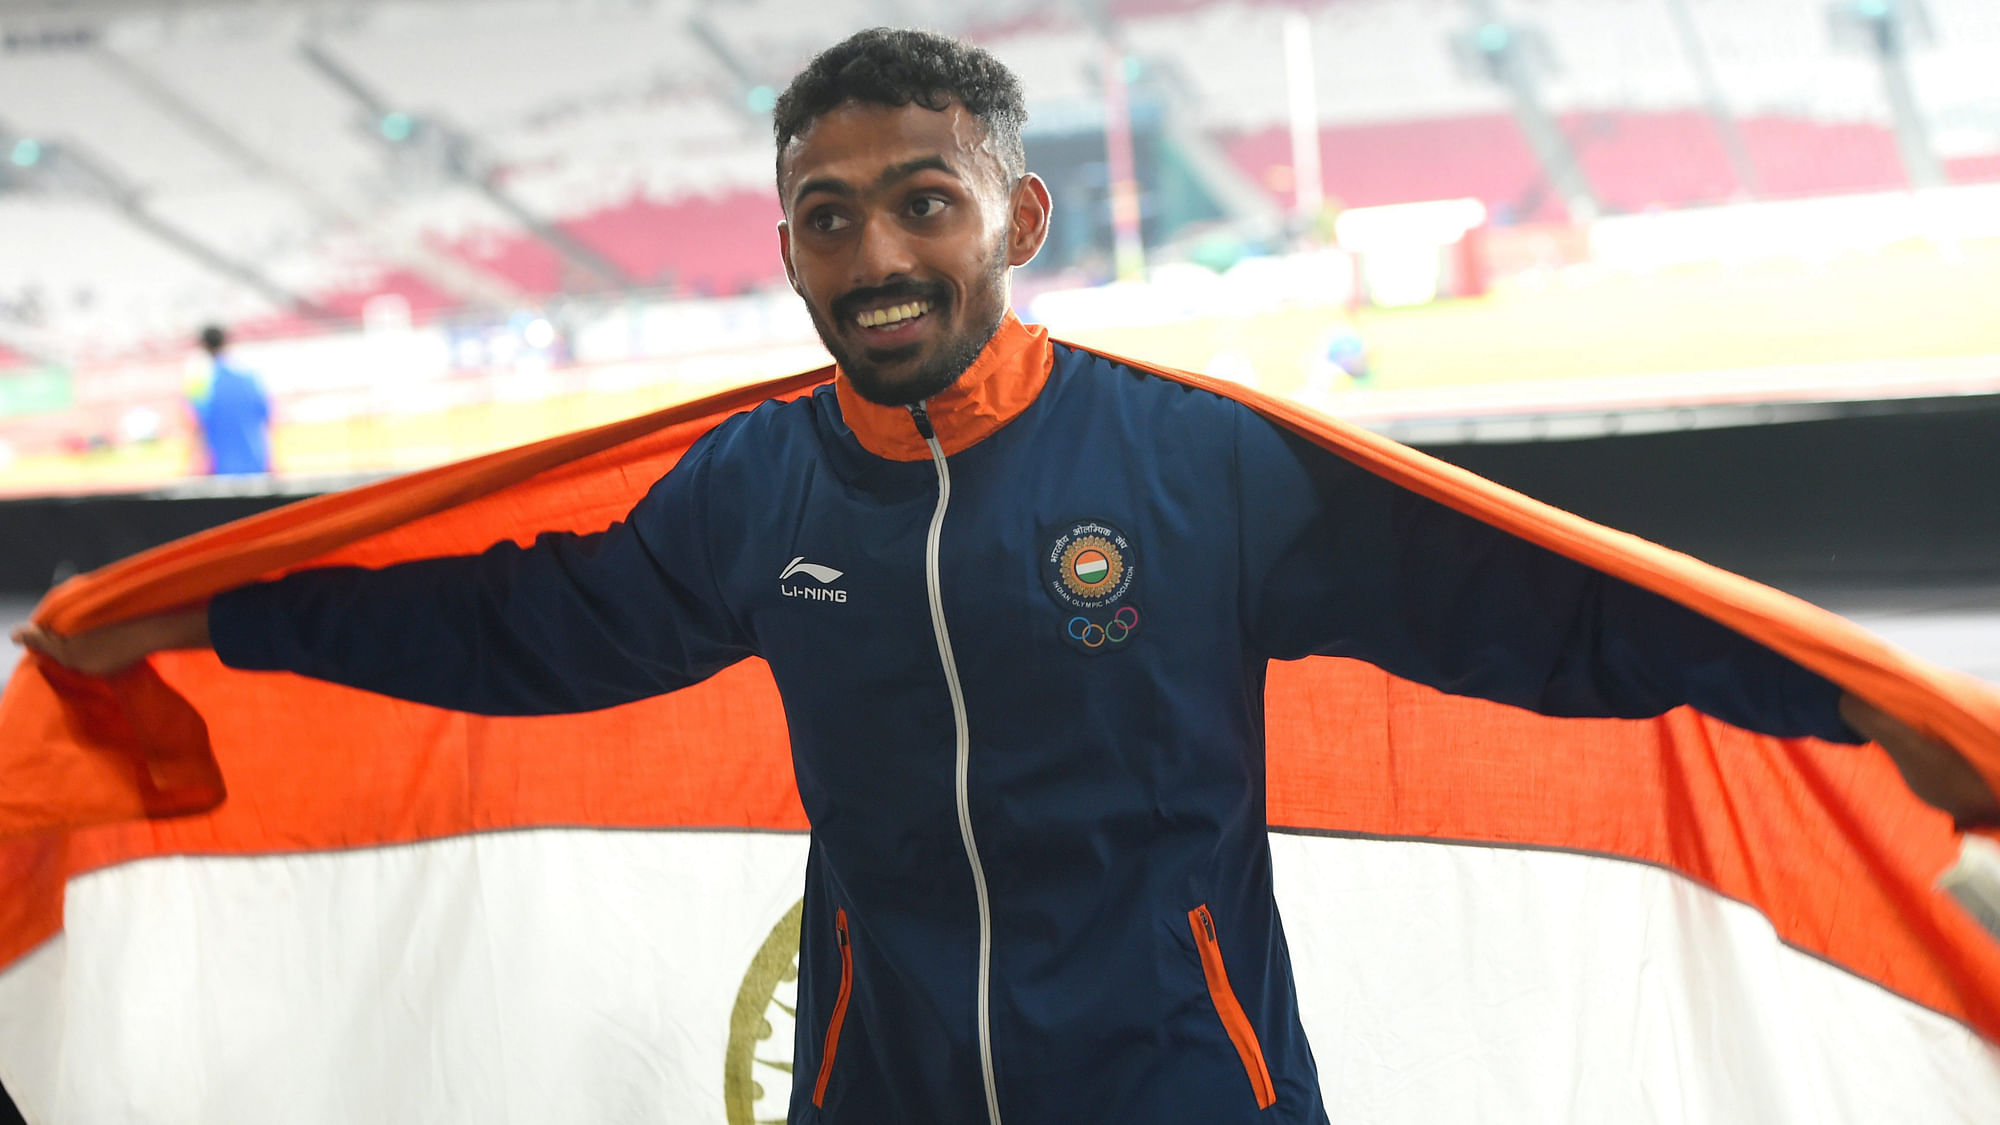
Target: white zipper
{"type": "Point", "coordinates": [964, 749]}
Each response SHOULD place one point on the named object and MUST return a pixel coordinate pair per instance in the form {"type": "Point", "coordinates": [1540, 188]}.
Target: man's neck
{"type": "Point", "coordinates": [1002, 381]}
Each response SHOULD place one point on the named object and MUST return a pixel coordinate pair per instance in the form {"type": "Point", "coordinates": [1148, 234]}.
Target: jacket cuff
{"type": "Point", "coordinates": [239, 628]}
{"type": "Point", "coordinates": [1817, 703]}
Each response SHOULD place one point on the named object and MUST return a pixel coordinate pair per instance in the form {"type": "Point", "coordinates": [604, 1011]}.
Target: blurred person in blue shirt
{"type": "Point", "coordinates": [233, 411]}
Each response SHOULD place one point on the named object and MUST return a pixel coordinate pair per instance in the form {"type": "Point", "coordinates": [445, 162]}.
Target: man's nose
{"type": "Point", "coordinates": [884, 252]}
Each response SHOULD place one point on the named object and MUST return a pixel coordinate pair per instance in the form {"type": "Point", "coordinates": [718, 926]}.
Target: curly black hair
{"type": "Point", "coordinates": [896, 67]}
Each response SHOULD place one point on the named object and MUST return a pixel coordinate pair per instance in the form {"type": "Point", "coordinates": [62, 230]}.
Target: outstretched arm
{"type": "Point", "coordinates": [569, 623]}
{"type": "Point", "coordinates": [1937, 774]}
{"type": "Point", "coordinates": [1341, 562]}
{"type": "Point", "coordinates": [113, 648]}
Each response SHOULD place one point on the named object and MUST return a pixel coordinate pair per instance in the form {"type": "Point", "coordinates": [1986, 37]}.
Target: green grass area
{"type": "Point", "coordinates": [1910, 301]}
{"type": "Point", "coordinates": [1906, 302]}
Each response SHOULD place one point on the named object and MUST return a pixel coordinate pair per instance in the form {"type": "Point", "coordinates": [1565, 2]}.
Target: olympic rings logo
{"type": "Point", "coordinates": [1092, 635]}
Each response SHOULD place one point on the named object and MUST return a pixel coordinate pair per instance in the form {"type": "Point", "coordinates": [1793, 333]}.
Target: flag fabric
{"type": "Point", "coordinates": [231, 896]}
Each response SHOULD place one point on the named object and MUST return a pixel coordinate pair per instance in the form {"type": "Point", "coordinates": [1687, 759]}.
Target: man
{"type": "Point", "coordinates": [1021, 638]}
{"type": "Point", "coordinates": [232, 412]}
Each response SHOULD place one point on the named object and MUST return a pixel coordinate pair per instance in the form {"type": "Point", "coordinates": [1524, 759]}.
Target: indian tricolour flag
{"type": "Point", "coordinates": [230, 897]}
{"type": "Point", "coordinates": [1092, 566]}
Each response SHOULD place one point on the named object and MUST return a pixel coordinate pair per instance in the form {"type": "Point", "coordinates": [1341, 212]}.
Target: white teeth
{"type": "Point", "coordinates": [876, 318]}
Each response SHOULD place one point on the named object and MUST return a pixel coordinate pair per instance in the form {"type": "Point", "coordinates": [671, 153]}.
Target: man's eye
{"type": "Point", "coordinates": [826, 222]}
{"type": "Point", "coordinates": [926, 206]}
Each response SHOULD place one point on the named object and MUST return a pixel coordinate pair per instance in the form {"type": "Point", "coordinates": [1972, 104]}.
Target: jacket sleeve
{"type": "Point", "coordinates": [1340, 562]}
{"type": "Point", "coordinates": [571, 623]}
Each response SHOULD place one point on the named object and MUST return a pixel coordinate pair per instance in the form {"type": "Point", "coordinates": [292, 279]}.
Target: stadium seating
{"type": "Point", "coordinates": [75, 271]}
{"type": "Point", "coordinates": [1635, 161]}
{"type": "Point", "coordinates": [617, 125]}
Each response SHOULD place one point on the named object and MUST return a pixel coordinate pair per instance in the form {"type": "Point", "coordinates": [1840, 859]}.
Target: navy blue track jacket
{"type": "Point", "coordinates": [1024, 681]}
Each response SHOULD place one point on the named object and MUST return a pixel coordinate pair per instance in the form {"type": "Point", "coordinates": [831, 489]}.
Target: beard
{"type": "Point", "coordinates": [952, 355]}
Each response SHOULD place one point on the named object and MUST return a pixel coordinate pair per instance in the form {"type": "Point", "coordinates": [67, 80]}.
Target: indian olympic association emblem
{"type": "Point", "coordinates": [1089, 570]}
{"type": "Point", "coordinates": [757, 1065]}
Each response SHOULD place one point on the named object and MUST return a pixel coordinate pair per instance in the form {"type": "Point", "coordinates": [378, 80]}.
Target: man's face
{"type": "Point", "coordinates": [900, 226]}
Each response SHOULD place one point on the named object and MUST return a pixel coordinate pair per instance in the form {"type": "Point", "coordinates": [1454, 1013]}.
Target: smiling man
{"type": "Point", "coordinates": [1019, 599]}
{"type": "Point", "coordinates": [905, 209]}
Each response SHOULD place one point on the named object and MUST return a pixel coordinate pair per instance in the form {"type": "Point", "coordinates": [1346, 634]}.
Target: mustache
{"type": "Point", "coordinates": [848, 305]}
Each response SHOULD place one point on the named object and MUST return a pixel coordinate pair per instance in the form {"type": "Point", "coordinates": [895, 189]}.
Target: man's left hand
{"type": "Point", "coordinates": [1937, 774]}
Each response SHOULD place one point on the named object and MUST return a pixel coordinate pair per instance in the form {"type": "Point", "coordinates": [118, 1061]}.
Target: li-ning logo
{"type": "Point", "coordinates": [824, 575]}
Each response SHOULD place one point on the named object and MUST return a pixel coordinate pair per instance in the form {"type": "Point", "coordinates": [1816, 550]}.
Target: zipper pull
{"type": "Point", "coordinates": [922, 418]}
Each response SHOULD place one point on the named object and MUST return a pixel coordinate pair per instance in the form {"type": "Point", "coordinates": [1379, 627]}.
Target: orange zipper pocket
{"type": "Point", "coordinates": [1233, 1020]}
{"type": "Point", "coordinates": [839, 1007]}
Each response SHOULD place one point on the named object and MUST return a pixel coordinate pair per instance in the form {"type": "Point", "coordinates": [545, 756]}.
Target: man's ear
{"type": "Point", "coordinates": [1028, 215]}
{"type": "Point", "coordinates": [785, 252]}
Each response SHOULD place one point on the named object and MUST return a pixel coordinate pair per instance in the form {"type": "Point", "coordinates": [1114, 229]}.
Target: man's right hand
{"type": "Point", "coordinates": [111, 649]}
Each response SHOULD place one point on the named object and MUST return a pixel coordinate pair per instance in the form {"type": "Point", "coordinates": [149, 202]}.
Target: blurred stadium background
{"type": "Point", "coordinates": [441, 227]}
{"type": "Point", "coordinates": [438, 227]}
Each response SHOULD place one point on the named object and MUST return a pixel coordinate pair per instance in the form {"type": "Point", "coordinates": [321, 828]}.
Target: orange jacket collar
{"type": "Point", "coordinates": [1010, 371]}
